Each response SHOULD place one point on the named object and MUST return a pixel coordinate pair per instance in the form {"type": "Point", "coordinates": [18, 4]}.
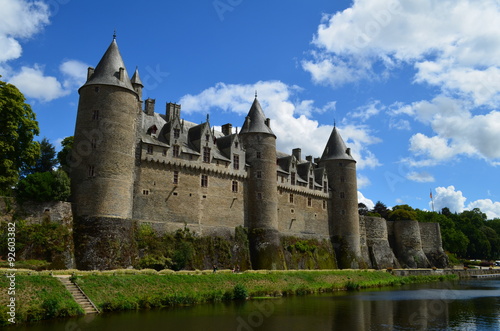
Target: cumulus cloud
{"type": "Point", "coordinates": [362, 199]}
{"type": "Point", "coordinates": [363, 181]}
{"type": "Point", "coordinates": [490, 208]}
{"type": "Point", "coordinates": [33, 82]}
{"type": "Point", "coordinates": [291, 119]}
{"type": "Point", "coordinates": [448, 197]}
{"type": "Point", "coordinates": [19, 19]}
{"type": "Point", "coordinates": [451, 44]}
{"type": "Point", "coordinates": [458, 132]}
{"type": "Point", "coordinates": [455, 201]}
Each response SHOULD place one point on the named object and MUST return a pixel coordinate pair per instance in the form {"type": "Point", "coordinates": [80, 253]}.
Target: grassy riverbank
{"type": "Point", "coordinates": [41, 296]}
{"type": "Point", "coordinates": [122, 292]}
{"type": "Point", "coordinates": [38, 297]}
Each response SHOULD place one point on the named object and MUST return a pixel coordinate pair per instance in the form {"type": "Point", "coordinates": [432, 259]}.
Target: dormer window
{"type": "Point", "coordinates": [207, 137]}
{"type": "Point", "coordinates": [177, 133]}
{"type": "Point", "coordinates": [152, 130]}
{"type": "Point", "coordinates": [236, 144]}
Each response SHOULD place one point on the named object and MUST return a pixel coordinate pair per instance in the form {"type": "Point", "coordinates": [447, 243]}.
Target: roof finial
{"type": "Point", "coordinates": [208, 117]}
{"type": "Point", "coordinates": [255, 93]}
{"type": "Point", "coordinates": [334, 123]}
{"type": "Point", "coordinates": [114, 34]}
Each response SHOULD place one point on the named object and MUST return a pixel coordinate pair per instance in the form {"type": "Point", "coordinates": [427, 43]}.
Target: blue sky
{"type": "Point", "coordinates": [413, 85]}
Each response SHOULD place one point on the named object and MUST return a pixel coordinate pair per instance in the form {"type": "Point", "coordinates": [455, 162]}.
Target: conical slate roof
{"type": "Point", "coordinates": [107, 71]}
{"type": "Point", "coordinates": [255, 122]}
{"type": "Point", "coordinates": [335, 148]}
{"type": "Point", "coordinates": [136, 79]}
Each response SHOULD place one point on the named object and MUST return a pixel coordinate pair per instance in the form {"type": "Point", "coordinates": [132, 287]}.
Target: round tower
{"type": "Point", "coordinates": [343, 213]}
{"type": "Point", "coordinates": [262, 208]}
{"type": "Point", "coordinates": [103, 162]}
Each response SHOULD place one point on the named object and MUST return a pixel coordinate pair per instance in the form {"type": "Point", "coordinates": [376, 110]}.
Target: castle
{"type": "Point", "coordinates": [133, 165]}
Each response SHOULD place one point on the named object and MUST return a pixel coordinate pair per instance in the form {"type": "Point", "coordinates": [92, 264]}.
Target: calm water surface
{"type": "Point", "coordinates": [461, 305]}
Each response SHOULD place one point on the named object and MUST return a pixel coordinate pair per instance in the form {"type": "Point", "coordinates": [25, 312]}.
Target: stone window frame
{"type": "Point", "coordinates": [309, 202]}
{"type": "Point", "coordinates": [95, 115]}
{"type": "Point", "coordinates": [234, 186]}
{"type": "Point", "coordinates": [290, 198]}
{"type": "Point", "coordinates": [175, 180]}
{"type": "Point", "coordinates": [258, 155]}
{"type": "Point", "coordinates": [204, 180]}
{"type": "Point", "coordinates": [292, 178]}
{"type": "Point", "coordinates": [342, 195]}
{"type": "Point", "coordinates": [258, 174]}
{"type": "Point", "coordinates": [149, 149]}
{"type": "Point", "coordinates": [177, 133]}
{"type": "Point", "coordinates": [206, 154]}
{"type": "Point", "coordinates": [236, 162]}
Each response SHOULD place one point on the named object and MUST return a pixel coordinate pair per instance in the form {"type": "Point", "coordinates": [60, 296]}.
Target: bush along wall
{"type": "Point", "coordinates": [308, 253]}
{"type": "Point", "coordinates": [184, 250]}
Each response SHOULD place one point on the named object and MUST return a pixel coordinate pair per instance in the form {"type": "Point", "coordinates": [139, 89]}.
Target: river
{"type": "Point", "coordinates": [450, 305]}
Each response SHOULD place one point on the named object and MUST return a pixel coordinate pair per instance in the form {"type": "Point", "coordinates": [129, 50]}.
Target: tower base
{"type": "Point", "coordinates": [265, 249]}
{"type": "Point", "coordinates": [103, 243]}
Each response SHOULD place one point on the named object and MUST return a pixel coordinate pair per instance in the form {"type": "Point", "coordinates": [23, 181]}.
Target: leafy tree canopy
{"type": "Point", "coordinates": [64, 155]}
{"type": "Point", "coordinates": [46, 161]}
{"type": "Point", "coordinates": [44, 186]}
{"type": "Point", "coordinates": [18, 126]}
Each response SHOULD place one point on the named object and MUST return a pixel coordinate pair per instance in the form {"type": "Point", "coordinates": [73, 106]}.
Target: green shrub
{"type": "Point", "coordinates": [240, 292]}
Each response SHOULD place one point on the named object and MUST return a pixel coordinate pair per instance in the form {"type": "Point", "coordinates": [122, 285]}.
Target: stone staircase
{"type": "Point", "coordinates": [77, 293]}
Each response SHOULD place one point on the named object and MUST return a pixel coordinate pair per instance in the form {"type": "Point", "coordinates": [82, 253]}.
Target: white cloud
{"type": "Point", "coordinates": [362, 199]}
{"type": "Point", "coordinates": [34, 84]}
{"type": "Point", "coordinates": [364, 113]}
{"type": "Point", "coordinates": [448, 197]}
{"type": "Point", "coordinates": [452, 44]}
{"type": "Point", "coordinates": [490, 208]}
{"type": "Point", "coordinates": [290, 120]}
{"type": "Point", "coordinates": [363, 181]}
{"type": "Point", "coordinates": [457, 131]}
{"type": "Point", "coordinates": [19, 19]}
{"type": "Point", "coordinates": [75, 73]}
{"type": "Point", "coordinates": [455, 201]}
{"type": "Point", "coordinates": [421, 177]}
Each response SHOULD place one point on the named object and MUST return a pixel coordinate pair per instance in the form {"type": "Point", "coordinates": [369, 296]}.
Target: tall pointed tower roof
{"type": "Point", "coordinates": [255, 122]}
{"type": "Point", "coordinates": [335, 148]}
{"type": "Point", "coordinates": [136, 79]}
{"type": "Point", "coordinates": [107, 71]}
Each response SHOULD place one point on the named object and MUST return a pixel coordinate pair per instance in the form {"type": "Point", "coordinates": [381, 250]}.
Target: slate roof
{"type": "Point", "coordinates": [335, 148]}
{"type": "Point", "coordinates": [255, 122]}
{"type": "Point", "coordinates": [107, 71]}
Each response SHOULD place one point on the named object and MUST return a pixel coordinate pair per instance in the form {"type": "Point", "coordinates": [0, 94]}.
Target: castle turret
{"type": "Point", "coordinates": [137, 83]}
{"type": "Point", "coordinates": [259, 142]}
{"type": "Point", "coordinates": [102, 174]}
{"type": "Point", "coordinates": [343, 218]}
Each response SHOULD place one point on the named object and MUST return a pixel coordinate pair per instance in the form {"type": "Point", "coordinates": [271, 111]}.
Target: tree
{"type": "Point", "coordinates": [381, 209]}
{"type": "Point", "coordinates": [64, 155]}
{"type": "Point", "coordinates": [46, 161]}
{"type": "Point", "coordinates": [362, 209]}
{"type": "Point", "coordinates": [402, 215]}
{"type": "Point", "coordinates": [44, 186]}
{"type": "Point", "coordinates": [18, 126]}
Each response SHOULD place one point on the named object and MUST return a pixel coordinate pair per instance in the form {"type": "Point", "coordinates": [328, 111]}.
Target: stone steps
{"type": "Point", "coordinates": [78, 295]}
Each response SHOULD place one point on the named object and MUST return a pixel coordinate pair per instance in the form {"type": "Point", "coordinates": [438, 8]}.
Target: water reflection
{"type": "Point", "coordinates": [463, 305]}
